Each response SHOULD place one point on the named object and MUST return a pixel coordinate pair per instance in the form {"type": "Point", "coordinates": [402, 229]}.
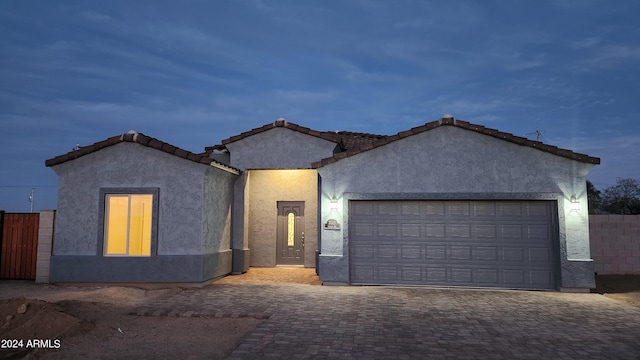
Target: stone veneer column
{"type": "Point", "coordinates": [45, 245]}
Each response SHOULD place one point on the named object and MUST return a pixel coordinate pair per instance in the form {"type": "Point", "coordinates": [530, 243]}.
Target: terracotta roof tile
{"type": "Point", "coordinates": [450, 121]}
{"type": "Point", "coordinates": [347, 140]}
{"type": "Point", "coordinates": [141, 139]}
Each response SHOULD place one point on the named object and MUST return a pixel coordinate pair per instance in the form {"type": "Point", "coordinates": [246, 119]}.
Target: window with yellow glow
{"type": "Point", "coordinates": [128, 224]}
{"type": "Point", "coordinates": [290, 229]}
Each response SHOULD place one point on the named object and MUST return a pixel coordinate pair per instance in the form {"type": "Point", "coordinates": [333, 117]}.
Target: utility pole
{"type": "Point", "coordinates": [31, 198]}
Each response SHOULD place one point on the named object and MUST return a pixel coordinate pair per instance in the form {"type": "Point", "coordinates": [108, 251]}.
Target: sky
{"type": "Point", "coordinates": [192, 73]}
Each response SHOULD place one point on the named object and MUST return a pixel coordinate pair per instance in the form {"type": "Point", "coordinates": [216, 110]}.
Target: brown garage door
{"type": "Point", "coordinates": [508, 244]}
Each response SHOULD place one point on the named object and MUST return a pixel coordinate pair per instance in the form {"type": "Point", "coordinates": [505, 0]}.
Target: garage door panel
{"type": "Point", "coordinates": [362, 251]}
{"type": "Point", "coordinates": [387, 251]}
{"type": "Point", "coordinates": [435, 230]}
{"type": "Point", "coordinates": [483, 210]}
{"type": "Point", "coordinates": [512, 254]}
{"type": "Point", "coordinates": [538, 231]}
{"type": "Point", "coordinates": [486, 253]}
{"type": "Point", "coordinates": [460, 253]}
{"type": "Point", "coordinates": [363, 230]}
{"type": "Point", "coordinates": [413, 252]}
{"type": "Point", "coordinates": [423, 243]}
{"type": "Point", "coordinates": [485, 232]}
{"type": "Point", "coordinates": [539, 255]}
{"type": "Point", "coordinates": [487, 276]}
{"type": "Point", "coordinates": [458, 231]}
{"type": "Point", "coordinates": [410, 230]}
{"type": "Point", "coordinates": [409, 210]}
{"type": "Point", "coordinates": [434, 209]}
{"type": "Point", "coordinates": [459, 209]}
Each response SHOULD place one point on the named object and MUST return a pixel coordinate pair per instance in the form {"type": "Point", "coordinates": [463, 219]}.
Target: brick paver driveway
{"type": "Point", "coordinates": [303, 321]}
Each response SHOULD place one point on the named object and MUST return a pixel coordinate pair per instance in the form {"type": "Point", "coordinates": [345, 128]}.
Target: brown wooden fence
{"type": "Point", "coordinates": [18, 245]}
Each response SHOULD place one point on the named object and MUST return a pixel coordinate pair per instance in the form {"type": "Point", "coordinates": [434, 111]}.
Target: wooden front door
{"type": "Point", "coordinates": [290, 234]}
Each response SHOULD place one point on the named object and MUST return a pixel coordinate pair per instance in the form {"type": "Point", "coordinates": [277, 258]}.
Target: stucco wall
{"type": "Point", "coordinates": [129, 165]}
{"type": "Point", "coordinates": [188, 229]}
{"type": "Point", "coordinates": [454, 163]}
{"type": "Point", "coordinates": [615, 243]}
{"type": "Point", "coordinates": [266, 188]}
{"type": "Point", "coordinates": [218, 197]}
{"type": "Point", "coordinates": [279, 148]}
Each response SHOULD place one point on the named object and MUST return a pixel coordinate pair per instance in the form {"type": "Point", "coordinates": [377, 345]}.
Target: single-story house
{"type": "Point", "coordinates": [448, 203]}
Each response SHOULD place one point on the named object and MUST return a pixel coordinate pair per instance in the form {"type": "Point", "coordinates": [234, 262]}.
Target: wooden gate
{"type": "Point", "coordinates": [18, 245]}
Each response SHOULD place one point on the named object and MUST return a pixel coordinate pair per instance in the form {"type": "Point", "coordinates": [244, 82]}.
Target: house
{"type": "Point", "coordinates": [448, 203]}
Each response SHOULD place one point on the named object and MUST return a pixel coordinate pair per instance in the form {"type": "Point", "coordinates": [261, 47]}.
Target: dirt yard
{"type": "Point", "coordinates": [77, 326]}
{"type": "Point", "coordinates": [91, 323]}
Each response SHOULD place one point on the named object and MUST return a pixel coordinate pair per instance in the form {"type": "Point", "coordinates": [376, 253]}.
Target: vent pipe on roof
{"type": "Point", "coordinates": [448, 118]}
{"type": "Point", "coordinates": [134, 133]}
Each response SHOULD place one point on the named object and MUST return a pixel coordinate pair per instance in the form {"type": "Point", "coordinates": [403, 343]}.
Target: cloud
{"type": "Point", "coordinates": [608, 57]}
{"type": "Point", "coordinates": [587, 42]}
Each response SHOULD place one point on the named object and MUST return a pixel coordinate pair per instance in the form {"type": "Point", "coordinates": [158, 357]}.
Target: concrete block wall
{"type": "Point", "coordinates": [615, 243]}
{"type": "Point", "coordinates": [45, 244]}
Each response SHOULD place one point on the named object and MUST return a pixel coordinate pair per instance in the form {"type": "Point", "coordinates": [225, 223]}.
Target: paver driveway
{"type": "Point", "coordinates": [303, 321]}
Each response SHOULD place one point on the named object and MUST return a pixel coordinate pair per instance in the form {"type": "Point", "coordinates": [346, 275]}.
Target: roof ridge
{"type": "Point", "coordinates": [142, 139]}
{"type": "Point", "coordinates": [281, 122]}
{"type": "Point", "coordinates": [357, 133]}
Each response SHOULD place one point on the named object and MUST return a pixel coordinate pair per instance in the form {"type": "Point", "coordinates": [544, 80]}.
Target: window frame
{"type": "Point", "coordinates": [154, 192]}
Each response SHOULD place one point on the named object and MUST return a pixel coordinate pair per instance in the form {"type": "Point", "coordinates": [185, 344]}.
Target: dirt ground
{"type": "Point", "coordinates": [73, 324]}
{"type": "Point", "coordinates": [77, 326]}
{"type": "Point", "coordinates": [624, 288]}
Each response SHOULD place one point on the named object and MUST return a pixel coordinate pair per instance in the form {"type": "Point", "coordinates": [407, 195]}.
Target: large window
{"type": "Point", "coordinates": [128, 224]}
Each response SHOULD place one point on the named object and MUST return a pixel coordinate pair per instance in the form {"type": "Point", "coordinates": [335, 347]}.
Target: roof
{"type": "Point", "coordinates": [450, 121]}
{"type": "Point", "coordinates": [139, 138]}
{"type": "Point", "coordinates": [346, 139]}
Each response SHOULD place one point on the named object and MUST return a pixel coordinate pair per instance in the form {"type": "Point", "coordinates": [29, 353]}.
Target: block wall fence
{"type": "Point", "coordinates": [615, 243]}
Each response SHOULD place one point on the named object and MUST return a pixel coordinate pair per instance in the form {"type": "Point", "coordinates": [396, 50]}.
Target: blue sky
{"type": "Point", "coordinates": [192, 73]}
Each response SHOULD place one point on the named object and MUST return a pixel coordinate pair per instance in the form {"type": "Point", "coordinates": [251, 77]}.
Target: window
{"type": "Point", "coordinates": [128, 224]}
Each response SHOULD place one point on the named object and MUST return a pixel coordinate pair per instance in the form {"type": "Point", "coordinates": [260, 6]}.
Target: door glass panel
{"type": "Point", "coordinates": [290, 229]}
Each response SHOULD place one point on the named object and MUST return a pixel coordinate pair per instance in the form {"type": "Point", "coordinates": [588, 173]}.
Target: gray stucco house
{"type": "Point", "coordinates": [447, 203]}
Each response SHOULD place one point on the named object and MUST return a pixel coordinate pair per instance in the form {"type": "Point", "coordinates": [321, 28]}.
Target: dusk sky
{"type": "Point", "coordinates": [192, 73]}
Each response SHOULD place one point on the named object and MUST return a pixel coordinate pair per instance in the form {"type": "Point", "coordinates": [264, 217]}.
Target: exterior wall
{"type": "Point", "coordinates": [45, 244]}
{"type": "Point", "coordinates": [266, 188]}
{"type": "Point", "coordinates": [216, 223]}
{"type": "Point", "coordinates": [453, 163]}
{"type": "Point", "coordinates": [279, 148]}
{"type": "Point", "coordinates": [186, 240]}
{"type": "Point", "coordinates": [615, 243]}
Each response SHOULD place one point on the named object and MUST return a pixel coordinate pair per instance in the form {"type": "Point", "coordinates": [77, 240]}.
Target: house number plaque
{"type": "Point", "coordinates": [332, 224]}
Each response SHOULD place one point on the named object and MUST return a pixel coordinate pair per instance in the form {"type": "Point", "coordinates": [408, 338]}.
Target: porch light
{"type": "Point", "coordinates": [333, 203]}
{"type": "Point", "coordinates": [574, 204]}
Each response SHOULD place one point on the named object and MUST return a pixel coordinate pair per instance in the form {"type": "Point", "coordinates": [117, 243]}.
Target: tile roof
{"type": "Point", "coordinates": [346, 139]}
{"type": "Point", "coordinates": [450, 121]}
{"type": "Point", "coordinates": [144, 140]}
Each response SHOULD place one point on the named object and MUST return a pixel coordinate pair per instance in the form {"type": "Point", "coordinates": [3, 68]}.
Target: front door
{"type": "Point", "coordinates": [290, 236]}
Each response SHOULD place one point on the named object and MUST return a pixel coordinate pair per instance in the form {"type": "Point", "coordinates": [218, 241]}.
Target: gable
{"type": "Point", "coordinates": [279, 148]}
{"type": "Point", "coordinates": [141, 139]}
{"type": "Point", "coordinates": [448, 120]}
{"type": "Point", "coordinates": [453, 159]}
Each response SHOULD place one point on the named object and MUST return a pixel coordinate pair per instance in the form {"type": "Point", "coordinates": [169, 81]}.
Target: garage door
{"type": "Point", "coordinates": [508, 244]}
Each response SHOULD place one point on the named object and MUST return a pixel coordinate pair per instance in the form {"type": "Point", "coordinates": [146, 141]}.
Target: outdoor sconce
{"type": "Point", "coordinates": [574, 203]}
{"type": "Point", "coordinates": [333, 203]}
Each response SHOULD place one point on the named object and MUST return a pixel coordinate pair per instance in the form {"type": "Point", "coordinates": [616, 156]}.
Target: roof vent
{"type": "Point", "coordinates": [281, 119]}
{"type": "Point", "coordinates": [447, 116]}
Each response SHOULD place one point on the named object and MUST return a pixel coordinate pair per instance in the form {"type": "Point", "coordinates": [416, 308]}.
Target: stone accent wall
{"type": "Point", "coordinates": [615, 243]}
